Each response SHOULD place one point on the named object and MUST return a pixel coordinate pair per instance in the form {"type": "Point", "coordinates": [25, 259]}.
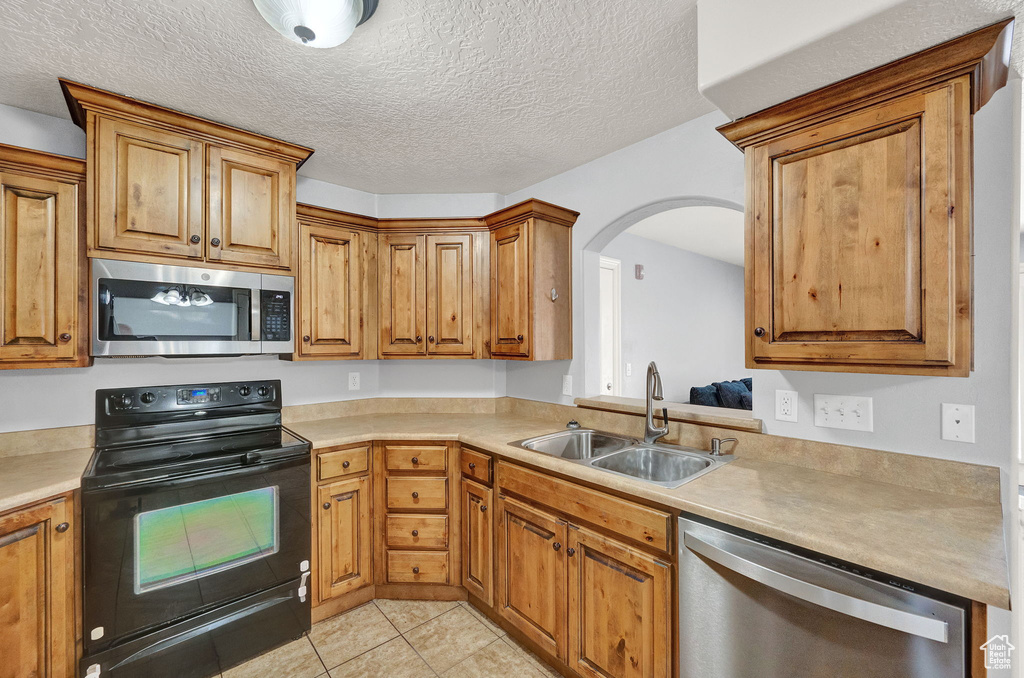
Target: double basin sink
{"type": "Point", "coordinates": [660, 464]}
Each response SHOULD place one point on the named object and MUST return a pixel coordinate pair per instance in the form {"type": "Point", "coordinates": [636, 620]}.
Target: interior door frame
{"type": "Point", "coordinates": [615, 266]}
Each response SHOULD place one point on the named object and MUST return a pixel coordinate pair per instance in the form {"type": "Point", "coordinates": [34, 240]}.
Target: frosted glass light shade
{"type": "Point", "coordinates": [314, 23]}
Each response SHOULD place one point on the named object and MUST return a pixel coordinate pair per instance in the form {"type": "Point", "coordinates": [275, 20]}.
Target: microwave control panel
{"type": "Point", "coordinates": [275, 311]}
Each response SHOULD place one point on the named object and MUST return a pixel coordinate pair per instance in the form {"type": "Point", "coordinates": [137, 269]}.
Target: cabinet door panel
{"type": "Point", "coordinates": [450, 294]}
{"type": "Point", "coordinates": [402, 295]}
{"type": "Point", "coordinates": [619, 609]}
{"type": "Point", "coordinates": [331, 291]}
{"type": "Point", "coordinates": [510, 290]}
{"type": "Point", "coordinates": [149, 190]}
{"type": "Point", "coordinates": [532, 573]}
{"type": "Point", "coordinates": [345, 537]}
{"type": "Point", "coordinates": [477, 544]}
{"type": "Point", "coordinates": [39, 269]}
{"type": "Point", "coordinates": [252, 209]}
{"type": "Point", "coordinates": [37, 592]}
{"type": "Point", "coordinates": [855, 253]}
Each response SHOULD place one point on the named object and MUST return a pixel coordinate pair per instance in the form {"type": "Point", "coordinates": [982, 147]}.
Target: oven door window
{"type": "Point", "coordinates": [132, 310]}
{"type": "Point", "coordinates": [183, 543]}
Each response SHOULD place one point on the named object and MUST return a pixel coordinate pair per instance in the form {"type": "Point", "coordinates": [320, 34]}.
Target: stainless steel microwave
{"type": "Point", "coordinates": [157, 310]}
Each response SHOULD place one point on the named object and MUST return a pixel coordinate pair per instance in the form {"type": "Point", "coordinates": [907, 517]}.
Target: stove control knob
{"type": "Point", "coordinates": [263, 391]}
{"type": "Point", "coordinates": [123, 401]}
{"type": "Point", "coordinates": [244, 391]}
{"type": "Point", "coordinates": [147, 397]}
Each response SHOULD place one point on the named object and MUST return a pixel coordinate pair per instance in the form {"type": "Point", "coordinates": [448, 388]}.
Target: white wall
{"type": "Point", "coordinates": [686, 314]}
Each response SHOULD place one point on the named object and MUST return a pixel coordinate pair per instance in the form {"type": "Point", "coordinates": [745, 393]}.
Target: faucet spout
{"type": "Point", "coordinates": [655, 391]}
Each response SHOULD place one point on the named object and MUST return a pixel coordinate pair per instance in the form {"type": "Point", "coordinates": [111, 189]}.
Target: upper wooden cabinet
{"type": "Point", "coordinates": [43, 317]}
{"type": "Point", "coordinates": [336, 285]}
{"type": "Point", "coordinates": [858, 236]}
{"type": "Point", "coordinates": [531, 282]}
{"type": "Point", "coordinates": [402, 295]}
{"type": "Point", "coordinates": [451, 278]}
{"type": "Point", "coordinates": [167, 186]}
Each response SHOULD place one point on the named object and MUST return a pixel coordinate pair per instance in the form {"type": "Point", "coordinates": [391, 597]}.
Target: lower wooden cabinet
{"type": "Point", "coordinates": [345, 538]}
{"type": "Point", "coordinates": [37, 591]}
{"type": "Point", "coordinates": [619, 609]}
{"type": "Point", "coordinates": [477, 540]}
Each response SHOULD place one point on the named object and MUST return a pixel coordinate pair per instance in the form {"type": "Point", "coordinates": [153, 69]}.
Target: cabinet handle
{"type": "Point", "coordinates": [430, 339]}
{"type": "Point", "coordinates": [415, 495]}
{"type": "Point", "coordinates": [519, 338]}
{"type": "Point", "coordinates": [346, 464]}
{"type": "Point", "coordinates": [63, 527]}
{"type": "Point", "coordinates": [415, 570]}
{"type": "Point", "coordinates": [472, 465]}
{"type": "Point", "coordinates": [415, 460]}
{"type": "Point", "coordinates": [194, 239]}
{"type": "Point", "coordinates": [758, 331]}
{"type": "Point", "coordinates": [483, 509]}
{"type": "Point", "coordinates": [306, 338]}
{"type": "Point", "coordinates": [215, 242]}
{"type": "Point", "coordinates": [419, 339]}
{"type": "Point", "coordinates": [65, 337]}
{"type": "Point", "coordinates": [556, 546]}
{"type": "Point", "coordinates": [327, 505]}
{"type": "Point", "coordinates": [571, 551]}
{"type": "Point", "coordinates": [415, 533]}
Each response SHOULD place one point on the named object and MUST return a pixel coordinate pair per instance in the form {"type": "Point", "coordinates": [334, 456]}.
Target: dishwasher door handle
{"type": "Point", "coordinates": [898, 620]}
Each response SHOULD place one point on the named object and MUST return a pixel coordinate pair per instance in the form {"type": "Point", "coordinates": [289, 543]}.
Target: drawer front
{"type": "Point", "coordinates": [476, 466]}
{"type": "Point", "coordinates": [642, 524]}
{"type": "Point", "coordinates": [418, 532]}
{"type": "Point", "coordinates": [418, 493]}
{"type": "Point", "coordinates": [418, 567]}
{"type": "Point", "coordinates": [337, 463]}
{"type": "Point", "coordinates": [416, 457]}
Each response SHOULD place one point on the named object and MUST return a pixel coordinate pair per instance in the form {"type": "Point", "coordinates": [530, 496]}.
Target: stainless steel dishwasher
{"type": "Point", "coordinates": [752, 608]}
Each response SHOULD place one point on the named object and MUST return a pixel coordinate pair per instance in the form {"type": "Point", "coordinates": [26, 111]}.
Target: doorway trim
{"type": "Point", "coordinates": [615, 266]}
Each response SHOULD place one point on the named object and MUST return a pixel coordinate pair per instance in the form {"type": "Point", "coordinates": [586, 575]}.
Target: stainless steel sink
{"type": "Point", "coordinates": [656, 464]}
{"type": "Point", "coordinates": [660, 464]}
{"type": "Point", "coordinates": [582, 443]}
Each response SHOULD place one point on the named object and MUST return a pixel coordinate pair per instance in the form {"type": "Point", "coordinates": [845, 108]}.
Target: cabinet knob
{"type": "Point", "coordinates": [483, 509]}
{"type": "Point", "coordinates": [571, 551]}
{"type": "Point", "coordinates": [306, 338]}
{"type": "Point", "coordinates": [194, 239]}
{"type": "Point", "coordinates": [415, 533]}
{"type": "Point", "coordinates": [415, 495]}
{"type": "Point", "coordinates": [519, 338]}
{"type": "Point", "coordinates": [63, 527]}
{"type": "Point", "coordinates": [327, 505]}
{"type": "Point", "coordinates": [346, 464]}
{"type": "Point", "coordinates": [472, 465]}
{"type": "Point", "coordinates": [65, 337]}
{"type": "Point", "coordinates": [556, 545]}
{"type": "Point", "coordinates": [215, 242]}
{"type": "Point", "coordinates": [415, 570]}
{"type": "Point", "coordinates": [430, 339]}
{"type": "Point", "coordinates": [419, 338]}
{"type": "Point", "coordinates": [415, 460]}
{"type": "Point", "coordinates": [758, 331]}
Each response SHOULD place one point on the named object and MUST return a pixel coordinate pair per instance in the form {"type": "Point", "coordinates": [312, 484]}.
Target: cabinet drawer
{"type": "Point", "coordinates": [424, 532]}
{"type": "Point", "coordinates": [416, 457]}
{"type": "Point", "coordinates": [342, 462]}
{"type": "Point", "coordinates": [476, 466]}
{"type": "Point", "coordinates": [417, 493]}
{"type": "Point", "coordinates": [639, 523]}
{"type": "Point", "coordinates": [420, 567]}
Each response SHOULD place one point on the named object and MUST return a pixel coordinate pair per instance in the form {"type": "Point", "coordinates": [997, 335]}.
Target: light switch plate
{"type": "Point", "coordinates": [786, 405]}
{"type": "Point", "coordinates": [958, 422]}
{"type": "Point", "coordinates": [353, 381]}
{"type": "Point", "coordinates": [853, 413]}
{"type": "Point", "coordinates": [567, 384]}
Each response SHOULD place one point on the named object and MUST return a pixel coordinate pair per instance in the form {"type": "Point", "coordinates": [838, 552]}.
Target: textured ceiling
{"type": "Point", "coordinates": [715, 232]}
{"type": "Point", "coordinates": [455, 96]}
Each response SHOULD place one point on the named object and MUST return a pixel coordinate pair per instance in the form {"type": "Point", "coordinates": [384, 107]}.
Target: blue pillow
{"type": "Point", "coordinates": [705, 395]}
{"type": "Point", "coordinates": [731, 393]}
{"type": "Point", "coordinates": [749, 383]}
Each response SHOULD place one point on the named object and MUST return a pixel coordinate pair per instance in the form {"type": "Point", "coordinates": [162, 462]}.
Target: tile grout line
{"type": "Point", "coordinates": [401, 635]}
{"type": "Point", "coordinates": [372, 602]}
{"type": "Point", "coordinates": [317, 653]}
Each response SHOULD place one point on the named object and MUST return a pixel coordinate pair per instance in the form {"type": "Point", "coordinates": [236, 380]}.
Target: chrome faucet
{"type": "Point", "coordinates": [654, 392]}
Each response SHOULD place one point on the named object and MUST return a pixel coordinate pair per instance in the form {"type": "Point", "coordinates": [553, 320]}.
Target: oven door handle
{"type": "Point", "coordinates": [889, 617]}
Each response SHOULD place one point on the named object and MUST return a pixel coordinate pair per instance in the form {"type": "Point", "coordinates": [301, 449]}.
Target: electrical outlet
{"type": "Point", "coordinates": [353, 381]}
{"type": "Point", "coordinates": [853, 413]}
{"type": "Point", "coordinates": [567, 384]}
{"type": "Point", "coordinates": [629, 369]}
{"type": "Point", "coordinates": [958, 422]}
{"type": "Point", "coordinates": [786, 405]}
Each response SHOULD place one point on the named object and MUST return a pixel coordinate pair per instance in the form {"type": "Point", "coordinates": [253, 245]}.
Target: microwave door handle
{"type": "Point", "coordinates": [898, 620]}
{"type": "Point", "coordinates": [255, 303]}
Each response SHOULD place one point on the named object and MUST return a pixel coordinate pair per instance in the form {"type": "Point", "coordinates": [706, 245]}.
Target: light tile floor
{"type": "Point", "coordinates": [401, 639]}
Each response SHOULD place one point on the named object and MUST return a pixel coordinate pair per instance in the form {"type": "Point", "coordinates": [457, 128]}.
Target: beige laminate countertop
{"type": "Point", "coordinates": [29, 478]}
{"type": "Point", "coordinates": [951, 543]}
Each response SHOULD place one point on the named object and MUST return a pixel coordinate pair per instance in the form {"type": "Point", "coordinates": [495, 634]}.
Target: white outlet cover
{"type": "Point", "coordinates": [787, 404]}
{"type": "Point", "coordinates": [567, 384]}
{"type": "Point", "coordinates": [629, 369]}
{"type": "Point", "coordinates": [353, 381]}
{"type": "Point", "coordinates": [849, 412]}
{"type": "Point", "coordinates": [958, 422]}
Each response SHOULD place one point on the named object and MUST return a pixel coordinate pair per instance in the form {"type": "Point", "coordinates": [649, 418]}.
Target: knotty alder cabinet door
{"type": "Point", "coordinates": [450, 296]}
{"type": "Point", "coordinates": [510, 263]}
{"type": "Point", "coordinates": [477, 544]}
{"type": "Point", "coordinates": [402, 295]}
{"type": "Point", "coordinates": [345, 537]}
{"type": "Point", "coordinates": [43, 321]}
{"type": "Point", "coordinates": [37, 591]}
{"type": "Point", "coordinates": [331, 291]}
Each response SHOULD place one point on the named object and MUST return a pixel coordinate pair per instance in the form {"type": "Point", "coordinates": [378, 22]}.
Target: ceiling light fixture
{"type": "Point", "coordinates": [316, 23]}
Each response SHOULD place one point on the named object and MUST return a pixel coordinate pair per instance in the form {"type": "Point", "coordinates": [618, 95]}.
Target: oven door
{"type": "Point", "coordinates": [152, 309]}
{"type": "Point", "coordinates": [163, 551]}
